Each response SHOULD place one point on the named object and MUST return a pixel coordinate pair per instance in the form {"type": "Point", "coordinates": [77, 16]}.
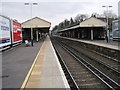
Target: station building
{"type": "Point", "coordinates": [91, 28]}
{"type": "Point", "coordinates": [37, 26]}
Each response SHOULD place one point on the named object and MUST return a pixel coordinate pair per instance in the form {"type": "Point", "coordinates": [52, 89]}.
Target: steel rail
{"type": "Point", "coordinates": [100, 62]}
{"type": "Point", "coordinates": [111, 84]}
{"type": "Point", "coordinates": [75, 86]}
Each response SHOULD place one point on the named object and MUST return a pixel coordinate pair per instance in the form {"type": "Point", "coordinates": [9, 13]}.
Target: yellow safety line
{"type": "Point", "coordinates": [30, 71]}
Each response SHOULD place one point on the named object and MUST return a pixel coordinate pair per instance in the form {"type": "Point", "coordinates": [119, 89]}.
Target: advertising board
{"type": "Point", "coordinates": [5, 37]}
{"type": "Point", "coordinates": [16, 32]}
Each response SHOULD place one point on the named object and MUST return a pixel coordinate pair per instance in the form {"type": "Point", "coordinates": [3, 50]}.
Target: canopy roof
{"type": "Point", "coordinates": [93, 22]}
{"type": "Point", "coordinates": [36, 22]}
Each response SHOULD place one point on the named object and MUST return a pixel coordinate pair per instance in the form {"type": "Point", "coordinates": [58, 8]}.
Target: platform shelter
{"type": "Point", "coordinates": [35, 28]}
{"type": "Point", "coordinates": [91, 28]}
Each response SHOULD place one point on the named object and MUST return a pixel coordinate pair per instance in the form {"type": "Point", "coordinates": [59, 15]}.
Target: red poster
{"type": "Point", "coordinates": [17, 32]}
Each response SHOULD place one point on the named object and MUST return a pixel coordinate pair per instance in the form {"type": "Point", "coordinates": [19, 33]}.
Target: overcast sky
{"type": "Point", "coordinates": [54, 11]}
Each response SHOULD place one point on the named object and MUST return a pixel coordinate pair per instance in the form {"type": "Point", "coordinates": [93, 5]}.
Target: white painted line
{"type": "Point", "coordinates": [94, 43]}
{"type": "Point", "coordinates": [60, 68]}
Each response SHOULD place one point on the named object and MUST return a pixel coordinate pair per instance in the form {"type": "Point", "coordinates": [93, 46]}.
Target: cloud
{"type": "Point", "coordinates": [53, 10]}
{"type": "Point", "coordinates": [50, 0]}
{"type": "Point", "coordinates": [50, 9]}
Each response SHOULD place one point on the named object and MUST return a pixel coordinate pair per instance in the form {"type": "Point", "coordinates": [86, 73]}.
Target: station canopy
{"type": "Point", "coordinates": [93, 22]}
{"type": "Point", "coordinates": [36, 22]}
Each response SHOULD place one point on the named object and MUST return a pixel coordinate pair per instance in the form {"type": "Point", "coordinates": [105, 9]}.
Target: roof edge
{"type": "Point", "coordinates": [34, 18]}
{"type": "Point", "coordinates": [92, 17]}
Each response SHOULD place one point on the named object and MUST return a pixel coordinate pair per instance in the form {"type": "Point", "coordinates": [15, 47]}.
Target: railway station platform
{"type": "Point", "coordinates": [46, 71]}
{"type": "Point", "coordinates": [102, 43]}
{"type": "Point", "coordinates": [110, 50]}
{"type": "Point", "coordinates": [111, 44]}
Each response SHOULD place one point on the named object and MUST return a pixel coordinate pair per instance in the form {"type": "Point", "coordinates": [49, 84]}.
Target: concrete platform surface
{"type": "Point", "coordinates": [16, 63]}
{"type": "Point", "coordinates": [111, 44]}
{"type": "Point", "coordinates": [47, 71]}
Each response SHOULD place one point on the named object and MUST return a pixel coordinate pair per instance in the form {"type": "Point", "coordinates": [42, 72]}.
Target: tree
{"type": "Point", "coordinates": [60, 26]}
{"type": "Point", "coordinates": [80, 17]}
{"type": "Point", "coordinates": [110, 14]}
{"type": "Point", "coordinates": [71, 21]}
{"type": "Point", "coordinates": [66, 23]}
{"type": "Point", "coordinates": [55, 27]}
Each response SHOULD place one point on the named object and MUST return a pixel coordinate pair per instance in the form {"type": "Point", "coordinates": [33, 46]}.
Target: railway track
{"type": "Point", "coordinates": [111, 62]}
{"type": "Point", "coordinates": [104, 64]}
{"type": "Point", "coordinates": [71, 81]}
{"type": "Point", "coordinates": [84, 74]}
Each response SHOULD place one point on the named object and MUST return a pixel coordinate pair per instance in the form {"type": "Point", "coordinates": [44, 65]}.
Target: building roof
{"type": "Point", "coordinates": [93, 22]}
{"type": "Point", "coordinates": [74, 27]}
{"type": "Point", "coordinates": [36, 22]}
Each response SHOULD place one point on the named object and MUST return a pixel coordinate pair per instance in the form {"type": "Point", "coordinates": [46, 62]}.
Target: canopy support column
{"type": "Point", "coordinates": [37, 35]}
{"type": "Point", "coordinates": [91, 34]}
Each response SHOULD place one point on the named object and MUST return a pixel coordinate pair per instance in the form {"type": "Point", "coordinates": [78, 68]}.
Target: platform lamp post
{"type": "Point", "coordinates": [31, 4]}
{"type": "Point", "coordinates": [108, 32]}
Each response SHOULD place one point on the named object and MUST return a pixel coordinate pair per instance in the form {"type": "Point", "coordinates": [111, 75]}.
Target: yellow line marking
{"type": "Point", "coordinates": [30, 71]}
